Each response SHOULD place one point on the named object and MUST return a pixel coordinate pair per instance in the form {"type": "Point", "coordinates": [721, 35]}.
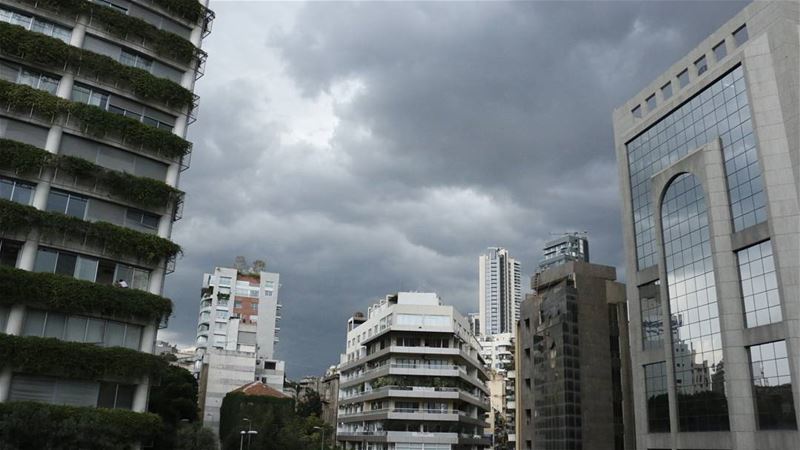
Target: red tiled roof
{"type": "Point", "coordinates": [260, 389]}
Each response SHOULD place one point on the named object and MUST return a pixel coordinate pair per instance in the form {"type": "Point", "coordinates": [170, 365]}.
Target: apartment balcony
{"type": "Point", "coordinates": [401, 350]}
{"type": "Point", "coordinates": [406, 414]}
{"type": "Point", "coordinates": [418, 392]}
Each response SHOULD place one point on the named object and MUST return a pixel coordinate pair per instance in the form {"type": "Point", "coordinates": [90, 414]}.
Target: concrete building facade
{"type": "Point", "coordinates": [237, 330]}
{"type": "Point", "coordinates": [92, 128]}
{"type": "Point", "coordinates": [499, 292]}
{"type": "Point", "coordinates": [708, 157]}
{"type": "Point", "coordinates": [412, 378]}
{"type": "Point", "coordinates": [573, 363]}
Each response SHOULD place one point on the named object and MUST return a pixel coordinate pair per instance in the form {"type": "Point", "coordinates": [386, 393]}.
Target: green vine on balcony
{"type": "Point", "coordinates": [29, 425]}
{"type": "Point", "coordinates": [117, 240]}
{"type": "Point", "coordinates": [142, 191]}
{"type": "Point", "coordinates": [55, 55]}
{"type": "Point", "coordinates": [69, 295]}
{"type": "Point", "coordinates": [50, 356]}
{"type": "Point", "coordinates": [96, 121]}
{"type": "Point", "coordinates": [164, 43]}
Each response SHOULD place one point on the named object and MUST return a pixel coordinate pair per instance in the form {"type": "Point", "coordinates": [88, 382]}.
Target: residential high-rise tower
{"type": "Point", "coordinates": [499, 291]}
{"type": "Point", "coordinates": [95, 100]}
{"type": "Point", "coordinates": [709, 156]}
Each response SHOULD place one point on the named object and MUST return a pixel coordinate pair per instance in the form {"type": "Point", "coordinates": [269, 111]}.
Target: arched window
{"type": "Point", "coordinates": [696, 340]}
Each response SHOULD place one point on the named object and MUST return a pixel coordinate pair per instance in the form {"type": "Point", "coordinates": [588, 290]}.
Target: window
{"type": "Point", "coordinates": [762, 302]}
{"type": "Point", "coordinates": [652, 323]}
{"type": "Point", "coordinates": [135, 277]}
{"type": "Point", "coordinates": [740, 35]}
{"type": "Point", "coordinates": [701, 65]}
{"type": "Point", "coordinates": [35, 24]}
{"type": "Point", "coordinates": [3, 318]}
{"type": "Point", "coordinates": [683, 78]}
{"type": "Point", "coordinates": [772, 386]}
{"type": "Point", "coordinates": [651, 102]}
{"type": "Point", "coordinates": [54, 391]}
{"type": "Point", "coordinates": [139, 117]}
{"type": "Point", "coordinates": [135, 60]}
{"type": "Point", "coordinates": [666, 90]}
{"type": "Point", "coordinates": [720, 51]}
{"type": "Point", "coordinates": [112, 5]}
{"type": "Point", "coordinates": [37, 80]}
{"type": "Point", "coordinates": [67, 203]}
{"type": "Point", "coordinates": [9, 251]}
{"type": "Point", "coordinates": [224, 281]}
{"type": "Point", "coordinates": [139, 218]}
{"type": "Point", "coordinates": [655, 381]}
{"type": "Point", "coordinates": [89, 96]}
{"type": "Point", "coordinates": [75, 328]}
{"type": "Point", "coordinates": [270, 365]}
{"type": "Point", "coordinates": [637, 112]}
{"type": "Point", "coordinates": [116, 396]}
{"type": "Point", "coordinates": [16, 191]}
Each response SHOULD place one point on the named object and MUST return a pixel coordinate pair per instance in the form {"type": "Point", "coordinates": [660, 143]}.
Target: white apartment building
{"type": "Point", "coordinates": [412, 378]}
{"type": "Point", "coordinates": [498, 352]}
{"type": "Point", "coordinates": [236, 334]}
{"type": "Point", "coordinates": [499, 292]}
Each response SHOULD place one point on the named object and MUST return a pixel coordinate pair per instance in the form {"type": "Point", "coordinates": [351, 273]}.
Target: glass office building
{"type": "Point", "coordinates": [708, 158]}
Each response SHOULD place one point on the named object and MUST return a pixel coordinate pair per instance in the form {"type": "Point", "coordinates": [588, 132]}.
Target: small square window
{"type": "Point", "coordinates": [740, 35]}
{"type": "Point", "coordinates": [651, 102]}
{"type": "Point", "coordinates": [666, 91]}
{"type": "Point", "coordinates": [683, 78]}
{"type": "Point", "coordinates": [637, 111]}
{"type": "Point", "coordinates": [701, 65]}
{"type": "Point", "coordinates": [720, 51]}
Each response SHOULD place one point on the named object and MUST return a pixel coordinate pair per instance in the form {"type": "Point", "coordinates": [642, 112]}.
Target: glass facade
{"type": "Point", "coordinates": [762, 302]}
{"type": "Point", "coordinates": [655, 384]}
{"type": "Point", "coordinates": [696, 339]}
{"type": "Point", "coordinates": [720, 110]}
{"type": "Point", "coordinates": [652, 321]}
{"type": "Point", "coordinates": [772, 386]}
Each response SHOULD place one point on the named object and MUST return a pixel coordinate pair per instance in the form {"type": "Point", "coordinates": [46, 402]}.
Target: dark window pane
{"type": "Point", "coordinates": [54, 326]}
{"type": "Point", "coordinates": [108, 393]}
{"type": "Point", "coordinates": [683, 78]}
{"type": "Point", "coordinates": [740, 35]}
{"type": "Point", "coordinates": [125, 396]}
{"type": "Point", "coordinates": [772, 386]}
{"type": "Point", "coordinates": [657, 402]}
{"type": "Point", "coordinates": [9, 251]}
{"type": "Point", "coordinates": [720, 51]}
{"type": "Point", "coordinates": [77, 207]}
{"type": "Point", "coordinates": [66, 264]}
{"type": "Point", "coordinates": [57, 202]}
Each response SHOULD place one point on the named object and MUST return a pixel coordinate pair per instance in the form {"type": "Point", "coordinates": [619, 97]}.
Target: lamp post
{"type": "Point", "coordinates": [321, 441]}
{"type": "Point", "coordinates": [250, 432]}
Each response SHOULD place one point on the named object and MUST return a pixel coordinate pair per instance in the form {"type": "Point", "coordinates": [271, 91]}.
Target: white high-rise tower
{"type": "Point", "coordinates": [499, 291]}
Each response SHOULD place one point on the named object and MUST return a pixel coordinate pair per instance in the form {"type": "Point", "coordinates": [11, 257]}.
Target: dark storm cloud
{"type": "Point", "coordinates": [445, 128]}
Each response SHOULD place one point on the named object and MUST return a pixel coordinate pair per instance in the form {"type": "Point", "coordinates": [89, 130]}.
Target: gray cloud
{"type": "Point", "coordinates": [367, 148]}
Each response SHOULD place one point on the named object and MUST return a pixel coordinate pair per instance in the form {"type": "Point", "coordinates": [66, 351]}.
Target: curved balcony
{"type": "Point", "coordinates": [418, 392]}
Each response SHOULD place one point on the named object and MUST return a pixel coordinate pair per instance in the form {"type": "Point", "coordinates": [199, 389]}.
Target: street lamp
{"type": "Point", "coordinates": [321, 441]}
{"type": "Point", "coordinates": [250, 432]}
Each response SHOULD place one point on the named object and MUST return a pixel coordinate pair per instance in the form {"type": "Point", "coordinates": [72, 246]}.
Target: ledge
{"type": "Point", "coordinates": [116, 240]}
{"type": "Point", "coordinates": [36, 48]}
{"type": "Point", "coordinates": [142, 191]}
{"type": "Point", "coordinates": [68, 295]}
{"type": "Point", "coordinates": [39, 425]}
{"type": "Point", "coordinates": [48, 356]}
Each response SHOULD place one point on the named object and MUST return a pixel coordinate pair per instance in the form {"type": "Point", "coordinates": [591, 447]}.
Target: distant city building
{"type": "Point", "coordinates": [474, 323]}
{"type": "Point", "coordinates": [498, 353]}
{"type": "Point", "coordinates": [573, 361]}
{"type": "Point", "coordinates": [499, 291]}
{"type": "Point", "coordinates": [570, 247]}
{"type": "Point", "coordinates": [412, 378]}
{"type": "Point", "coordinates": [709, 162]}
{"type": "Point", "coordinates": [236, 335]}
{"type": "Point", "coordinates": [182, 358]}
{"type": "Point", "coordinates": [95, 103]}
{"type": "Point", "coordinates": [329, 394]}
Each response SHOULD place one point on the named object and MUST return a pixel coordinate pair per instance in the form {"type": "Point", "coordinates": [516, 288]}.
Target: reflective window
{"type": "Point", "coordinates": [116, 396]}
{"type": "Point", "coordinates": [652, 323]}
{"type": "Point", "coordinates": [135, 60]}
{"type": "Point", "coordinates": [141, 219]}
{"type": "Point", "coordinates": [772, 386]}
{"type": "Point", "coordinates": [637, 111]}
{"type": "Point", "coordinates": [666, 91]}
{"type": "Point", "coordinates": [37, 80]}
{"type": "Point", "coordinates": [762, 302]}
{"type": "Point", "coordinates": [655, 383]}
{"type": "Point", "coordinates": [75, 328]}
{"type": "Point", "coordinates": [720, 51]}
{"type": "Point", "coordinates": [35, 24]}
{"type": "Point", "coordinates": [740, 35]}
{"type": "Point", "coordinates": [89, 96]}
{"type": "Point", "coordinates": [696, 339]}
{"type": "Point", "coordinates": [701, 65]}
{"type": "Point", "coordinates": [721, 110]}
{"type": "Point", "coordinates": [3, 318]}
{"type": "Point", "coordinates": [16, 191]}
{"type": "Point", "coordinates": [683, 78]}
{"type": "Point", "coordinates": [67, 203]}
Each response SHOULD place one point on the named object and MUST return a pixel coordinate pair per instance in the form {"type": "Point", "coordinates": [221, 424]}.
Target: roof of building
{"type": "Point", "coordinates": [260, 389]}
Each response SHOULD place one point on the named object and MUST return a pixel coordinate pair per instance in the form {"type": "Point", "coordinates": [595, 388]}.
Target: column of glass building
{"type": "Point", "coordinates": [708, 158]}
{"type": "Point", "coordinates": [95, 100]}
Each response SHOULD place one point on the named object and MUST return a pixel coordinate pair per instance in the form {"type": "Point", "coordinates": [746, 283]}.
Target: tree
{"type": "Point", "coordinates": [310, 404]}
{"type": "Point", "coordinates": [195, 437]}
{"type": "Point", "coordinates": [175, 400]}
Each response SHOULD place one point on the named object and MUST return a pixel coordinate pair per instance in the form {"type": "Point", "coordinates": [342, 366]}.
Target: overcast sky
{"type": "Point", "coordinates": [367, 148]}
